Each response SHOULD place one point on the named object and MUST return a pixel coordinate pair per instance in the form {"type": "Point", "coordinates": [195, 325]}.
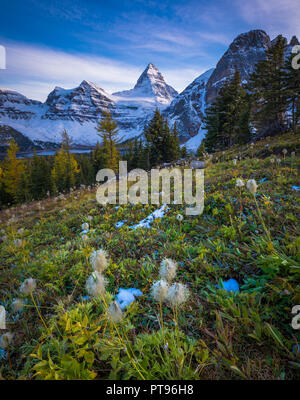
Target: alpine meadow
{"type": "Point", "coordinates": [185, 265]}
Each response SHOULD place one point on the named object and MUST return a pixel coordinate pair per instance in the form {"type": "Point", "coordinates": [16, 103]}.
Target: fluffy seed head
{"type": "Point", "coordinates": [28, 286]}
{"type": "Point", "coordinates": [272, 160]}
{"type": "Point", "coordinates": [17, 305]}
{"type": "Point", "coordinates": [98, 260]}
{"type": "Point", "coordinates": [2, 318]}
{"type": "Point", "coordinates": [252, 186]}
{"type": "Point", "coordinates": [239, 183]}
{"type": "Point", "coordinates": [284, 151]}
{"type": "Point", "coordinates": [179, 217]}
{"type": "Point", "coordinates": [168, 269]}
{"type": "Point", "coordinates": [85, 226]}
{"type": "Point", "coordinates": [159, 290]}
{"type": "Point", "coordinates": [115, 312]}
{"type": "Point", "coordinates": [177, 294]}
{"type": "Point", "coordinates": [6, 339]}
{"type": "Point", "coordinates": [95, 284]}
{"type": "Point", "coordinates": [18, 243]}
{"type": "Point", "coordinates": [278, 160]}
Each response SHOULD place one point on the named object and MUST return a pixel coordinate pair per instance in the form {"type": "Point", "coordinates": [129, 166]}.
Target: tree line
{"type": "Point", "coordinates": [267, 105]}
{"type": "Point", "coordinates": [24, 180]}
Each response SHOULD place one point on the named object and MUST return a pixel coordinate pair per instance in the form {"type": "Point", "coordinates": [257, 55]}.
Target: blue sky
{"type": "Point", "coordinates": [61, 42]}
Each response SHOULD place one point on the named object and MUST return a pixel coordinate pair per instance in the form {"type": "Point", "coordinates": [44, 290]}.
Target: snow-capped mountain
{"type": "Point", "coordinates": [242, 55]}
{"type": "Point", "coordinates": [78, 110]}
{"type": "Point", "coordinates": [151, 84]}
{"type": "Point", "coordinates": [187, 109]}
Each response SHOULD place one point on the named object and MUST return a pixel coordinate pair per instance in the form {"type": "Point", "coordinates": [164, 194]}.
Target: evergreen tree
{"type": "Point", "coordinates": [227, 119]}
{"type": "Point", "coordinates": [108, 131]}
{"type": "Point", "coordinates": [65, 168]}
{"type": "Point", "coordinates": [99, 158]}
{"type": "Point", "coordinates": [291, 82]}
{"type": "Point", "coordinates": [201, 149]}
{"type": "Point", "coordinates": [154, 136]}
{"type": "Point", "coordinates": [266, 85]}
{"type": "Point", "coordinates": [40, 177]}
{"type": "Point", "coordinates": [12, 172]}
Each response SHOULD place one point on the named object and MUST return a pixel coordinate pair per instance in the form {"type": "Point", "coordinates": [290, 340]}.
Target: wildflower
{"type": "Point", "coordinates": [98, 260]}
{"type": "Point", "coordinates": [89, 218]}
{"type": "Point", "coordinates": [17, 305]}
{"type": "Point", "coordinates": [84, 238]}
{"type": "Point", "coordinates": [115, 312]}
{"type": "Point", "coordinates": [177, 294]}
{"type": "Point", "coordinates": [278, 160]}
{"type": "Point", "coordinates": [18, 242]}
{"type": "Point", "coordinates": [168, 269]}
{"type": "Point", "coordinates": [179, 217]}
{"type": "Point", "coordinates": [239, 183]}
{"type": "Point", "coordinates": [28, 286]}
{"type": "Point", "coordinates": [85, 226]}
{"type": "Point", "coordinates": [2, 318]}
{"type": "Point", "coordinates": [252, 186]}
{"type": "Point", "coordinates": [159, 290]}
{"type": "Point", "coordinates": [272, 160]}
{"type": "Point", "coordinates": [284, 151]}
{"type": "Point", "coordinates": [234, 161]}
{"type": "Point", "coordinates": [95, 284]}
{"type": "Point", "coordinates": [6, 339]}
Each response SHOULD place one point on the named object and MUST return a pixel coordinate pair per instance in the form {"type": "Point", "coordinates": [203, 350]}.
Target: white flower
{"type": "Point", "coordinates": [159, 290]}
{"type": "Point", "coordinates": [84, 238]}
{"type": "Point", "coordinates": [278, 160]}
{"type": "Point", "coordinates": [6, 339]}
{"type": "Point", "coordinates": [252, 186]}
{"type": "Point", "coordinates": [177, 294]}
{"type": "Point", "coordinates": [168, 269]}
{"type": "Point", "coordinates": [85, 226]}
{"type": "Point", "coordinates": [95, 284]}
{"type": "Point", "coordinates": [272, 160]}
{"type": "Point", "coordinates": [89, 218]}
{"type": "Point", "coordinates": [179, 217]}
{"type": "Point", "coordinates": [98, 260]}
{"type": "Point", "coordinates": [115, 312]}
{"type": "Point", "coordinates": [17, 305]}
{"type": "Point", "coordinates": [2, 318]}
{"type": "Point", "coordinates": [239, 183]}
{"type": "Point", "coordinates": [18, 243]}
{"type": "Point", "coordinates": [234, 161]}
{"type": "Point", "coordinates": [284, 151]}
{"type": "Point", "coordinates": [28, 286]}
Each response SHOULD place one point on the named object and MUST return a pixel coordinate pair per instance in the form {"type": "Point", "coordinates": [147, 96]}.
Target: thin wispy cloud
{"type": "Point", "coordinates": [41, 69]}
{"type": "Point", "coordinates": [275, 17]}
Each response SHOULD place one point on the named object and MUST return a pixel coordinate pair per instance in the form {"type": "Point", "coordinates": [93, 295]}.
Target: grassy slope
{"type": "Point", "coordinates": [247, 335]}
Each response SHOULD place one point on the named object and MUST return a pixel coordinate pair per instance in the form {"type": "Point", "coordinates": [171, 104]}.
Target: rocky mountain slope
{"type": "Point", "coordinates": [242, 55]}
{"type": "Point", "coordinates": [79, 109]}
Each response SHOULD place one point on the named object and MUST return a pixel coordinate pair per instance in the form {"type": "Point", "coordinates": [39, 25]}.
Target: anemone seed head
{"type": "Point", "coordinates": [159, 290]}
{"type": "Point", "coordinates": [177, 294]}
{"type": "Point", "coordinates": [115, 312]}
{"type": "Point", "coordinates": [252, 186]}
{"type": "Point", "coordinates": [168, 269]}
{"type": "Point", "coordinates": [28, 286]}
{"type": "Point", "coordinates": [239, 183]}
{"type": "Point", "coordinates": [98, 260]}
{"type": "Point", "coordinates": [95, 284]}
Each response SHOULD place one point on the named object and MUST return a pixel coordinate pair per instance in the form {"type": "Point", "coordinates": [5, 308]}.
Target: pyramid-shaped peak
{"type": "Point", "coordinates": [294, 41]}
